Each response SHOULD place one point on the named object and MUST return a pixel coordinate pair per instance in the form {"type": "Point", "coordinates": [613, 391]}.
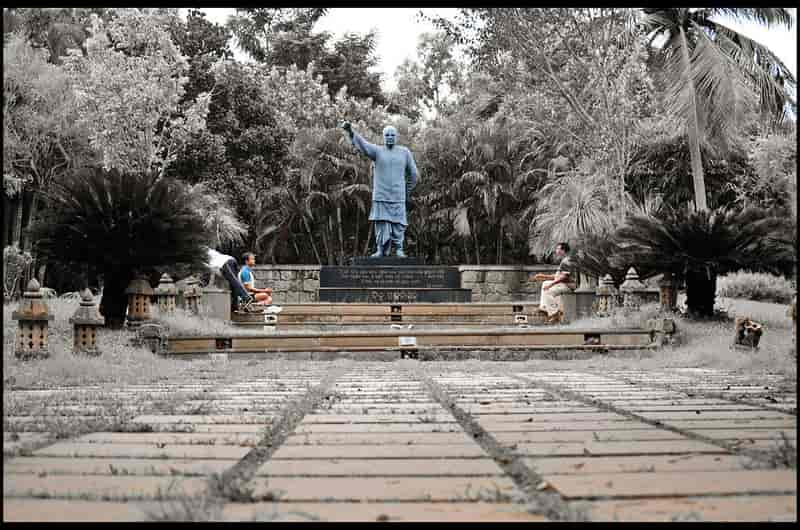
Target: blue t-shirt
{"type": "Point", "coordinates": [246, 277]}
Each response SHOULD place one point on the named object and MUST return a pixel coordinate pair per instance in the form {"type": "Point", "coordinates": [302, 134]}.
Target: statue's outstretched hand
{"type": "Point", "coordinates": [348, 128]}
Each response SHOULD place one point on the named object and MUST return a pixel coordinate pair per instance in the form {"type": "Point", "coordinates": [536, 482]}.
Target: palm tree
{"type": "Point", "coordinates": [709, 70]}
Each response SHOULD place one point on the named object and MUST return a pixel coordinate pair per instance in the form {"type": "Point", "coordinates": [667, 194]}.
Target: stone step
{"type": "Point", "coordinates": [390, 277]}
{"type": "Point", "coordinates": [378, 295]}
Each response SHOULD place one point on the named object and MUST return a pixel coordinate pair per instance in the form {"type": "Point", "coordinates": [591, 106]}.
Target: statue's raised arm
{"type": "Point", "coordinates": [371, 150]}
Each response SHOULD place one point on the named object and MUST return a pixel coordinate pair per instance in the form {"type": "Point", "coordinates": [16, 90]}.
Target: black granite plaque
{"type": "Point", "coordinates": [386, 261]}
{"type": "Point", "coordinates": [393, 296]}
{"type": "Point", "coordinates": [390, 276]}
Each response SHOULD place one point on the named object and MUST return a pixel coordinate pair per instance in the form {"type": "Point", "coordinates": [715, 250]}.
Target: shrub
{"type": "Point", "coordinates": [16, 267]}
{"type": "Point", "coordinates": [756, 286]}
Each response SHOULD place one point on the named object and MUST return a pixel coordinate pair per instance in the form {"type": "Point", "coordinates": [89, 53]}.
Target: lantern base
{"type": "Point", "coordinates": [28, 355]}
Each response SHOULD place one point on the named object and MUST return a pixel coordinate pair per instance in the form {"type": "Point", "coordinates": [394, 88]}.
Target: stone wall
{"type": "Point", "coordinates": [292, 284]}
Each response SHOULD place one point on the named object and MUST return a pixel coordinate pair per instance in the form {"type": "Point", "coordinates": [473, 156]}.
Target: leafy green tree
{"type": "Point", "coordinates": [710, 70]}
{"type": "Point", "coordinates": [110, 220]}
{"type": "Point", "coordinates": [128, 93]}
{"type": "Point", "coordinates": [41, 140]}
{"type": "Point", "coordinates": [258, 29]}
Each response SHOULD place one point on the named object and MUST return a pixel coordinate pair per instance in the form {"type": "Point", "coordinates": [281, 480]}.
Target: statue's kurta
{"type": "Point", "coordinates": [389, 184]}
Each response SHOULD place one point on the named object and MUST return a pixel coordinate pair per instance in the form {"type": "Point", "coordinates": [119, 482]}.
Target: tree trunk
{"type": "Point", "coordinates": [311, 240]}
{"type": "Point", "coordinates": [369, 237]}
{"type": "Point", "coordinates": [693, 131]}
{"type": "Point", "coordinates": [26, 240]}
{"type": "Point", "coordinates": [16, 232]}
{"type": "Point", "coordinates": [477, 246]}
{"type": "Point", "coordinates": [341, 236]}
{"type": "Point", "coordinates": [701, 290]}
{"type": "Point", "coordinates": [115, 301]}
{"type": "Point", "coordinates": [325, 244]}
{"type": "Point", "coordinates": [355, 238]}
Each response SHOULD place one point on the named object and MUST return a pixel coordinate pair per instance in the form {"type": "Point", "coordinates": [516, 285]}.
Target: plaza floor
{"type": "Point", "coordinates": [409, 440]}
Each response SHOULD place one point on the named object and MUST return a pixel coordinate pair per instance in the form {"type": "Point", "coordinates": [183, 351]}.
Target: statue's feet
{"type": "Point", "coordinates": [400, 253]}
{"type": "Point", "coordinates": [378, 254]}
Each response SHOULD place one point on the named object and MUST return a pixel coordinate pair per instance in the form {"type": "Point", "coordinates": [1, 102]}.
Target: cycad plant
{"type": "Point", "coordinates": [703, 244]}
{"type": "Point", "coordinates": [122, 224]}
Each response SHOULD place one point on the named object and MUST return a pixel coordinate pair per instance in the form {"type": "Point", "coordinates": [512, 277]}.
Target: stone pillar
{"type": "Point", "coordinates": [632, 290]}
{"type": "Point", "coordinates": [192, 295]}
{"type": "Point", "coordinates": [86, 320]}
{"type": "Point", "coordinates": [33, 316]}
{"type": "Point", "coordinates": [139, 293]}
{"type": "Point", "coordinates": [668, 292]}
{"type": "Point", "coordinates": [217, 298]}
{"type": "Point", "coordinates": [165, 294]}
{"type": "Point", "coordinates": [606, 295]}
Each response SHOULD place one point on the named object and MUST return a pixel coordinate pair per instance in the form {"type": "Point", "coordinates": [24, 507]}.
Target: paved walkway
{"type": "Point", "coordinates": [412, 441]}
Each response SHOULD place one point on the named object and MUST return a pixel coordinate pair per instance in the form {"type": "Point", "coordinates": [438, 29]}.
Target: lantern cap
{"type": "Point", "coordinates": [87, 313]}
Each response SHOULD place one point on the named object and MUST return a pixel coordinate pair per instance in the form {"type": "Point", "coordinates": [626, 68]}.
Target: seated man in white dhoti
{"type": "Point", "coordinates": [563, 281]}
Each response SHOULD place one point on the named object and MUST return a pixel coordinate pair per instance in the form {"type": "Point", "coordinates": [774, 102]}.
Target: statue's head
{"type": "Point", "coordinates": [389, 136]}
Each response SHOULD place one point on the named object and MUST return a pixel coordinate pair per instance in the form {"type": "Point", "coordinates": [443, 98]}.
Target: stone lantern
{"type": "Point", "coordinates": [165, 294]}
{"type": "Point", "coordinates": [606, 295]}
{"type": "Point", "coordinates": [668, 292]}
{"type": "Point", "coordinates": [33, 316]}
{"type": "Point", "coordinates": [192, 295]}
{"type": "Point", "coordinates": [86, 320]}
{"type": "Point", "coordinates": [139, 293]}
{"type": "Point", "coordinates": [633, 291]}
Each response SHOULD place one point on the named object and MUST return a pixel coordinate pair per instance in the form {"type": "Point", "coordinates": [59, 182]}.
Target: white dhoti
{"type": "Point", "coordinates": [548, 301]}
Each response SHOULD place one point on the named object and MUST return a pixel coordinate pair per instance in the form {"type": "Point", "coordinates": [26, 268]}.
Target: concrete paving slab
{"type": "Point", "coordinates": [524, 426]}
{"type": "Point", "coordinates": [635, 464]}
{"type": "Point", "coordinates": [385, 488]}
{"type": "Point", "coordinates": [744, 509]}
{"type": "Point", "coordinates": [586, 436]}
{"type": "Point", "coordinates": [357, 512]}
{"type": "Point", "coordinates": [383, 467]}
{"type": "Point", "coordinates": [544, 417]}
{"type": "Point", "coordinates": [102, 487]}
{"type": "Point", "coordinates": [187, 418]}
{"type": "Point", "coordinates": [74, 510]}
{"type": "Point", "coordinates": [617, 448]}
{"type": "Point", "coordinates": [318, 418]}
{"type": "Point", "coordinates": [121, 450]}
{"type": "Point", "coordinates": [380, 438]}
{"type": "Point", "coordinates": [241, 439]}
{"type": "Point", "coordinates": [116, 466]}
{"type": "Point", "coordinates": [378, 451]}
{"type": "Point", "coordinates": [679, 483]}
{"type": "Point", "coordinates": [746, 423]}
{"type": "Point", "coordinates": [377, 427]}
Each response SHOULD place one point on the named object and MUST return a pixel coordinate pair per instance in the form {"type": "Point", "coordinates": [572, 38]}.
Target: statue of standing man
{"type": "Point", "coordinates": [393, 163]}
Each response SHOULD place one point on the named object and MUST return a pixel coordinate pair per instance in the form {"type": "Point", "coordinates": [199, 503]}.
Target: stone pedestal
{"type": "Point", "coordinates": [217, 302]}
{"type": "Point", "coordinates": [391, 280]}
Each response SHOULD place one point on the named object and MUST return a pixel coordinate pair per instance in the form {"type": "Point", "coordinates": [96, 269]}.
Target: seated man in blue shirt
{"type": "Point", "coordinates": [248, 279]}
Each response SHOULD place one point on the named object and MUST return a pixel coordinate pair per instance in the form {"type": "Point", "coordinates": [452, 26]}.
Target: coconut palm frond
{"type": "Point", "coordinates": [767, 16]}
